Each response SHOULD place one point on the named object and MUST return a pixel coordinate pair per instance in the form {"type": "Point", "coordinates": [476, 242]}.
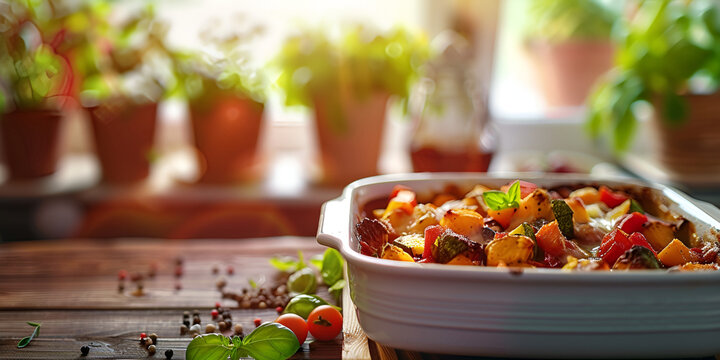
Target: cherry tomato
{"type": "Point", "coordinates": [295, 323]}
{"type": "Point", "coordinates": [325, 322]}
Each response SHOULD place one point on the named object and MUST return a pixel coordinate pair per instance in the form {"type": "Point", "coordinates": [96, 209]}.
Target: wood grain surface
{"type": "Point", "coordinates": [71, 288]}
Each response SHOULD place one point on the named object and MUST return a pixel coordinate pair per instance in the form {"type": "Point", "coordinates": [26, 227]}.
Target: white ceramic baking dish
{"type": "Point", "coordinates": [538, 313]}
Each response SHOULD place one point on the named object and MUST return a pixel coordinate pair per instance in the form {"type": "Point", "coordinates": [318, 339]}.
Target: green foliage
{"type": "Point", "coordinates": [312, 65]}
{"type": "Point", "coordinates": [562, 20]}
{"type": "Point", "coordinates": [498, 200]}
{"type": "Point", "coordinates": [668, 47]}
{"type": "Point", "coordinates": [26, 340]}
{"type": "Point", "coordinates": [269, 341]}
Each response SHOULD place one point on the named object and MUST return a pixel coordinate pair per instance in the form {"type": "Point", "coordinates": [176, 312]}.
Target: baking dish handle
{"type": "Point", "coordinates": [333, 223]}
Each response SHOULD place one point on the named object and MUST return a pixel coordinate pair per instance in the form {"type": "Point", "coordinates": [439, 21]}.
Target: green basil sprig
{"type": "Point", "coordinates": [498, 200]}
{"type": "Point", "coordinates": [269, 341]}
{"type": "Point", "coordinates": [303, 281]}
{"type": "Point", "coordinates": [332, 267]}
{"type": "Point", "coordinates": [303, 304]}
{"type": "Point", "coordinates": [26, 340]}
{"type": "Point", "coordinates": [288, 264]}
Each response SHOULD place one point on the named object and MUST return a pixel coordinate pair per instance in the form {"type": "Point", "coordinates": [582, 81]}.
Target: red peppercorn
{"type": "Point", "coordinates": [217, 305]}
{"type": "Point", "coordinates": [122, 274]}
{"type": "Point", "coordinates": [143, 335]}
{"type": "Point", "coordinates": [230, 270]}
{"type": "Point", "coordinates": [257, 321]}
{"type": "Point", "coordinates": [279, 309]}
{"type": "Point", "coordinates": [178, 286]}
{"type": "Point", "coordinates": [214, 314]}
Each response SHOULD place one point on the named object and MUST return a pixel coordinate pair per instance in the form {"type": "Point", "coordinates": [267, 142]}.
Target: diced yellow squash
{"type": "Point", "coordinates": [392, 252]}
{"type": "Point", "coordinates": [676, 253]}
{"type": "Point", "coordinates": [532, 207]}
{"type": "Point", "coordinates": [510, 250]}
{"type": "Point", "coordinates": [463, 221]}
{"type": "Point", "coordinates": [658, 233]}
{"type": "Point", "coordinates": [589, 195]}
{"type": "Point", "coordinates": [619, 211]}
{"type": "Point", "coordinates": [414, 243]}
{"type": "Point", "coordinates": [580, 215]}
{"type": "Point", "coordinates": [460, 259]}
{"type": "Point", "coordinates": [594, 210]}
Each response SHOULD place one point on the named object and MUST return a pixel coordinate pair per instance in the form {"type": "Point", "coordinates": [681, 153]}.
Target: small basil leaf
{"type": "Point", "coordinates": [33, 323]}
{"type": "Point", "coordinates": [317, 261]}
{"type": "Point", "coordinates": [336, 289]}
{"type": "Point", "coordinates": [513, 194]}
{"type": "Point", "coordinates": [271, 341]}
{"type": "Point", "coordinates": [332, 267]}
{"type": "Point", "coordinates": [284, 264]}
{"type": "Point", "coordinates": [303, 304]}
{"type": "Point", "coordinates": [24, 342]}
{"type": "Point", "coordinates": [494, 199]}
{"type": "Point", "coordinates": [209, 347]}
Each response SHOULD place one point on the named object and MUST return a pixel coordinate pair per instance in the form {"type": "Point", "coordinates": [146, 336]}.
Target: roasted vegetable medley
{"type": "Point", "coordinates": [579, 227]}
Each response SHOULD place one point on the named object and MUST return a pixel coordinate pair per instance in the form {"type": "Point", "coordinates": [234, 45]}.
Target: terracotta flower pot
{"type": "Point", "coordinates": [691, 148]}
{"type": "Point", "coordinates": [30, 142]}
{"type": "Point", "coordinates": [565, 72]}
{"type": "Point", "coordinates": [226, 136]}
{"type": "Point", "coordinates": [351, 152]}
{"type": "Point", "coordinates": [124, 135]}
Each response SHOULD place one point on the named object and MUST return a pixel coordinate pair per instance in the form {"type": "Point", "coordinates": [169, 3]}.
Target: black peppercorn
{"type": "Point", "coordinates": [168, 354]}
{"type": "Point", "coordinates": [186, 323]}
{"type": "Point", "coordinates": [85, 350]}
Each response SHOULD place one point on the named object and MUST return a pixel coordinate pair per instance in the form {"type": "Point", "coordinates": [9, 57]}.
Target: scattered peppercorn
{"type": "Point", "coordinates": [168, 354]}
{"type": "Point", "coordinates": [195, 329]}
{"type": "Point", "coordinates": [214, 314]}
{"type": "Point", "coordinates": [210, 328]}
{"type": "Point", "coordinates": [222, 326]}
{"type": "Point", "coordinates": [196, 320]}
{"type": "Point", "coordinates": [153, 337]}
{"type": "Point", "coordinates": [257, 321]}
{"type": "Point", "coordinates": [122, 274]}
{"type": "Point", "coordinates": [262, 305]}
{"type": "Point", "coordinates": [178, 271]}
{"type": "Point", "coordinates": [218, 305]}
{"type": "Point", "coordinates": [279, 309]}
{"type": "Point", "coordinates": [220, 283]}
{"type": "Point", "coordinates": [151, 350]}
{"type": "Point", "coordinates": [230, 270]}
{"type": "Point", "coordinates": [121, 287]}
{"type": "Point", "coordinates": [178, 261]}
{"type": "Point", "coordinates": [84, 350]}
{"type": "Point", "coordinates": [215, 270]}
{"type": "Point", "coordinates": [143, 335]}
{"type": "Point", "coordinates": [178, 286]}
{"type": "Point", "coordinates": [238, 329]}
{"type": "Point", "coordinates": [183, 329]}
{"type": "Point", "coordinates": [196, 312]}
{"type": "Point", "coordinates": [186, 315]}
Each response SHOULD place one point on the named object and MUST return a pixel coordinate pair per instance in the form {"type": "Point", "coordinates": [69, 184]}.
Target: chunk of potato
{"type": "Point", "coordinates": [511, 250]}
{"type": "Point", "coordinates": [658, 233]}
{"type": "Point", "coordinates": [589, 195]}
{"type": "Point", "coordinates": [532, 207]}
{"type": "Point", "coordinates": [676, 253]}
{"type": "Point", "coordinates": [460, 259]}
{"type": "Point", "coordinates": [392, 252]}
{"type": "Point", "coordinates": [580, 215]}
{"type": "Point", "coordinates": [465, 222]}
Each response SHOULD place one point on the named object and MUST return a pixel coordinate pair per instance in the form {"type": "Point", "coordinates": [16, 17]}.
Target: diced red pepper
{"type": "Point", "coordinates": [431, 233]}
{"type": "Point", "coordinates": [639, 239]}
{"type": "Point", "coordinates": [611, 198]}
{"type": "Point", "coordinates": [614, 244]}
{"type": "Point", "coordinates": [631, 223]}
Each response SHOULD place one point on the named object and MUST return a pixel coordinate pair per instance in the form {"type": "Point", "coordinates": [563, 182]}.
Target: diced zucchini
{"type": "Point", "coordinates": [447, 246]}
{"type": "Point", "coordinates": [525, 230]}
{"type": "Point", "coordinates": [564, 216]}
{"type": "Point", "coordinates": [413, 244]}
{"type": "Point", "coordinates": [637, 258]}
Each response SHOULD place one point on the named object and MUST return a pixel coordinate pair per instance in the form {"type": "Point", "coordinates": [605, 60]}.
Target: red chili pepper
{"type": "Point", "coordinates": [611, 198]}
{"type": "Point", "coordinates": [614, 244]}
{"type": "Point", "coordinates": [631, 223]}
{"type": "Point", "coordinates": [639, 239]}
{"type": "Point", "coordinates": [431, 233]}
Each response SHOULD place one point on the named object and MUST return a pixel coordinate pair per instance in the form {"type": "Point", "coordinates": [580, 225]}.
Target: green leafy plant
{"type": "Point", "coordinates": [498, 200]}
{"type": "Point", "coordinates": [670, 48]}
{"type": "Point", "coordinates": [312, 65]}
{"type": "Point", "coordinates": [269, 341]}
{"type": "Point", "coordinates": [31, 71]}
{"type": "Point", "coordinates": [26, 340]}
{"type": "Point", "coordinates": [562, 20]}
{"type": "Point", "coordinates": [288, 264]}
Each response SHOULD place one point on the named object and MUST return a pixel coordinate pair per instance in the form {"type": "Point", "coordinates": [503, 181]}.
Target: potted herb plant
{"type": "Point", "coordinates": [348, 83]}
{"type": "Point", "coordinates": [121, 96]}
{"type": "Point", "coordinates": [33, 80]}
{"type": "Point", "coordinates": [670, 59]}
{"type": "Point", "coordinates": [568, 42]}
{"type": "Point", "coordinates": [226, 103]}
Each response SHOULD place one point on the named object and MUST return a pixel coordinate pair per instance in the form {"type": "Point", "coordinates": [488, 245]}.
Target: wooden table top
{"type": "Point", "coordinates": [71, 288]}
